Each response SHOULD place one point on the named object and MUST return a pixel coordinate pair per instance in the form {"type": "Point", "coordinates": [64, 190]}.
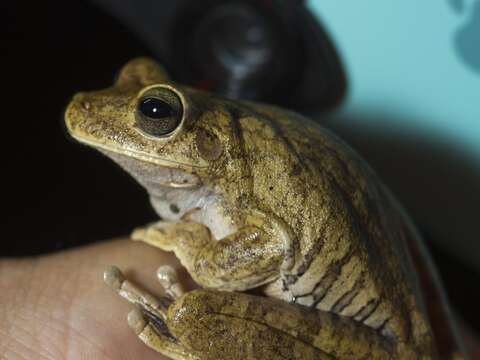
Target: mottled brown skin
{"type": "Point", "coordinates": [302, 219]}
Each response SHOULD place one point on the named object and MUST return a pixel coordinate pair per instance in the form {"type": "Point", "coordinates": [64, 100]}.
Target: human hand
{"type": "Point", "coordinates": [58, 307]}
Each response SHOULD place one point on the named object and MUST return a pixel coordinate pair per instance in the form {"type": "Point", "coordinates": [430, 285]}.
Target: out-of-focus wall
{"type": "Point", "coordinates": [413, 106]}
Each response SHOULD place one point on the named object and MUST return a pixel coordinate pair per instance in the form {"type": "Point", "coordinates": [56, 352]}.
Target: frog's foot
{"type": "Point", "coordinates": [148, 319]}
{"type": "Point", "coordinates": [114, 278]}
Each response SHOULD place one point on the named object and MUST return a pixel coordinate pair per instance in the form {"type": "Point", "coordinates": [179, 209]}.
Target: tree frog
{"type": "Point", "coordinates": [299, 249]}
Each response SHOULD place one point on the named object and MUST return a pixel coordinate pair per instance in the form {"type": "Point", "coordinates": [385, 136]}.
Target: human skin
{"type": "Point", "coordinates": [58, 307]}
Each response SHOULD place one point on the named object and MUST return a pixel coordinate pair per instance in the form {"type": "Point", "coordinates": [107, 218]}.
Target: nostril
{"type": "Point", "coordinates": [85, 104]}
{"type": "Point", "coordinates": [81, 100]}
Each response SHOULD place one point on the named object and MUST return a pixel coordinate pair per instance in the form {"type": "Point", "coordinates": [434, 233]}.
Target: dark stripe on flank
{"type": "Point", "coordinates": [326, 282]}
{"type": "Point", "coordinates": [346, 299]}
{"type": "Point", "coordinates": [366, 311]}
{"type": "Point", "coordinates": [382, 325]}
{"type": "Point", "coordinates": [323, 288]}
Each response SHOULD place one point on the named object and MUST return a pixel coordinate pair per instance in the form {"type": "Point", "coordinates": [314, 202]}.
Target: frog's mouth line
{"type": "Point", "coordinates": [139, 155]}
{"type": "Point", "coordinates": [142, 157]}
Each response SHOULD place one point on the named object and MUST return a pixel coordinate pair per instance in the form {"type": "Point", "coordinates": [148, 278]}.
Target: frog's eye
{"type": "Point", "coordinates": [159, 112]}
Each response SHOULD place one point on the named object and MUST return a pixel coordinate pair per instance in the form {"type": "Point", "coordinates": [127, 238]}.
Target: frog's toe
{"type": "Point", "coordinates": [136, 321]}
{"type": "Point", "coordinates": [168, 278]}
{"type": "Point", "coordinates": [139, 234]}
{"type": "Point", "coordinates": [113, 277]}
{"type": "Point", "coordinates": [159, 234]}
{"type": "Point", "coordinates": [146, 232]}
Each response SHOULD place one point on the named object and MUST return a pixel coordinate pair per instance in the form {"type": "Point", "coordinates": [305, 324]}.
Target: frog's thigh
{"type": "Point", "coordinates": [224, 325]}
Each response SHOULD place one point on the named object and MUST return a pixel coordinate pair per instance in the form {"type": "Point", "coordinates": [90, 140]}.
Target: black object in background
{"type": "Point", "coordinates": [56, 193]}
{"type": "Point", "coordinates": [265, 50]}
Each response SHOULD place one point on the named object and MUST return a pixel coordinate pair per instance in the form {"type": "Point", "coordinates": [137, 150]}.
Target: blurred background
{"type": "Point", "coordinates": [400, 81]}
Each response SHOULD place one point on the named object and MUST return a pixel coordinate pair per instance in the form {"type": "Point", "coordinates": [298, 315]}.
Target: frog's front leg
{"type": "Point", "coordinates": [247, 258]}
{"type": "Point", "coordinates": [210, 324]}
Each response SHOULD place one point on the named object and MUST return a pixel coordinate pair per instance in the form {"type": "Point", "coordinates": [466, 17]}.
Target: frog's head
{"type": "Point", "coordinates": [147, 123]}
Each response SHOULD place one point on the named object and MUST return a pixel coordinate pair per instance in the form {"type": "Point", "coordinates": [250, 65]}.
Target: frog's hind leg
{"type": "Point", "coordinates": [148, 319]}
{"type": "Point", "coordinates": [227, 325]}
{"type": "Point", "coordinates": [210, 324]}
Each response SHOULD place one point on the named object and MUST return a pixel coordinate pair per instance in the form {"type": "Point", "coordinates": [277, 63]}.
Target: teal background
{"type": "Point", "coordinates": [413, 106]}
{"type": "Point", "coordinates": [400, 58]}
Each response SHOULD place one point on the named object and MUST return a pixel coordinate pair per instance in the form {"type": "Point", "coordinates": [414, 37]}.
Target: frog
{"type": "Point", "coordinates": [299, 250]}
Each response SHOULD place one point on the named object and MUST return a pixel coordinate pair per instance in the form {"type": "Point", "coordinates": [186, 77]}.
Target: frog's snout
{"type": "Point", "coordinates": [72, 110]}
{"type": "Point", "coordinates": [77, 108]}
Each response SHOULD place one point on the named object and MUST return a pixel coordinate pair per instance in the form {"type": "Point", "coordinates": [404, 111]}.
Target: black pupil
{"type": "Point", "coordinates": [155, 108]}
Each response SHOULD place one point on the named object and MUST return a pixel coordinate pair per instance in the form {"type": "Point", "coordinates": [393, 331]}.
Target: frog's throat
{"type": "Point", "coordinates": [138, 155]}
{"type": "Point", "coordinates": [153, 177]}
